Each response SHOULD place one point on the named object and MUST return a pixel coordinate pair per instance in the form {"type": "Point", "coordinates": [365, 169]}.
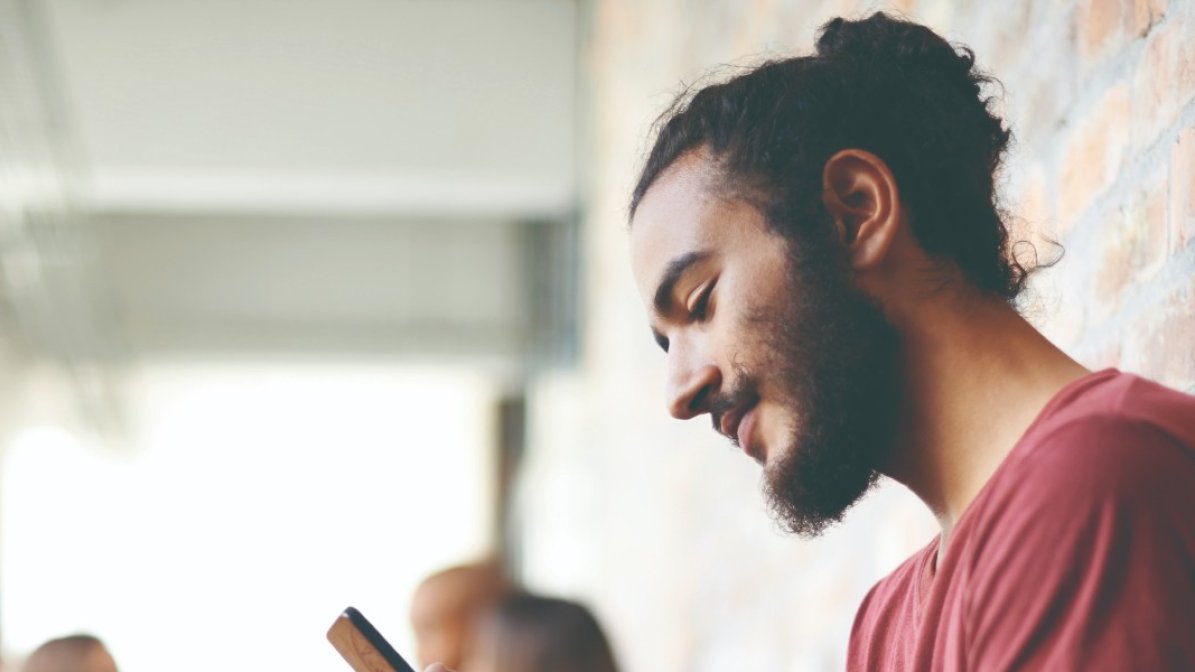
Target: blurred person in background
{"type": "Point", "coordinates": [75, 653]}
{"type": "Point", "coordinates": [823, 260]}
{"type": "Point", "coordinates": [529, 633]}
{"type": "Point", "coordinates": [448, 606]}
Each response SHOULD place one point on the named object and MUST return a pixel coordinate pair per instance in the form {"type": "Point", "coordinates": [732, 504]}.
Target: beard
{"type": "Point", "coordinates": [835, 361]}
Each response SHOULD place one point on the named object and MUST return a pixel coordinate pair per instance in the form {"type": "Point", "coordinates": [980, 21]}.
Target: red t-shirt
{"type": "Point", "coordinates": [1078, 553]}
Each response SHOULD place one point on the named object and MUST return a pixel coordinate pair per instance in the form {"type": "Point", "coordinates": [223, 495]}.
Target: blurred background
{"type": "Point", "coordinates": [302, 301]}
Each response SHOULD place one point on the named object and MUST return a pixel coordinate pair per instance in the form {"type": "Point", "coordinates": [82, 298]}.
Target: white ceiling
{"type": "Point", "coordinates": [351, 177]}
{"type": "Point", "coordinates": [376, 106]}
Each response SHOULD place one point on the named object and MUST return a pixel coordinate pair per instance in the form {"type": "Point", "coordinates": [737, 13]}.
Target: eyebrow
{"type": "Point", "coordinates": [672, 274]}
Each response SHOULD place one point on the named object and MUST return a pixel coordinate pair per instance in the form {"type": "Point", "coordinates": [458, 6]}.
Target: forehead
{"type": "Point", "coordinates": [675, 216]}
{"type": "Point", "coordinates": [685, 211]}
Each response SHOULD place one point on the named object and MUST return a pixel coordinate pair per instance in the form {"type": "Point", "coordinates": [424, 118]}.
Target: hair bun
{"type": "Point", "coordinates": [881, 38]}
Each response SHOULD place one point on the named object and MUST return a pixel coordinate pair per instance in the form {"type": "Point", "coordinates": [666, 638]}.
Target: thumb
{"type": "Point", "coordinates": [437, 667]}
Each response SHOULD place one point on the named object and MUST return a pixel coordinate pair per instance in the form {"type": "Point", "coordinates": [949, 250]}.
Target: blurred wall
{"type": "Point", "coordinates": [659, 524]}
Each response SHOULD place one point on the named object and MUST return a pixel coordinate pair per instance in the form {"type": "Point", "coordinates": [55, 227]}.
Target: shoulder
{"type": "Point", "coordinates": [1110, 453]}
{"type": "Point", "coordinates": [1087, 534]}
{"type": "Point", "coordinates": [1111, 437]}
{"type": "Point", "coordinates": [1119, 457]}
{"type": "Point", "coordinates": [1088, 469]}
{"type": "Point", "coordinates": [879, 636]}
{"type": "Point", "coordinates": [895, 593]}
{"type": "Point", "coordinates": [1121, 402]}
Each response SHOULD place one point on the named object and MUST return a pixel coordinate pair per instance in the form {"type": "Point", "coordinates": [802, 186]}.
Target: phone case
{"type": "Point", "coordinates": [362, 646]}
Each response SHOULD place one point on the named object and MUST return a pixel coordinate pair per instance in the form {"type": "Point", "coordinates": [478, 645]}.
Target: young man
{"type": "Point", "coordinates": [822, 260]}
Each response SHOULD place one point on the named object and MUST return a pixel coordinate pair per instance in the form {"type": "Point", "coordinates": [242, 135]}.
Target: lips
{"type": "Point", "coordinates": [737, 424]}
{"type": "Point", "coordinates": [744, 431]}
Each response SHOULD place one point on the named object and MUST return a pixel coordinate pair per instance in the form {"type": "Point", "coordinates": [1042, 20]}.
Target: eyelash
{"type": "Point", "coordinates": [699, 313]}
{"type": "Point", "coordinates": [700, 309]}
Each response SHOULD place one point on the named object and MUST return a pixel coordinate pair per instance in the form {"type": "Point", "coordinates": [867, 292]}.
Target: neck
{"type": "Point", "coordinates": [976, 379]}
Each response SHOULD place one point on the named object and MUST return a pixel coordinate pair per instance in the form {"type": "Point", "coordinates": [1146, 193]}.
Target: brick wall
{"type": "Point", "coordinates": [661, 526]}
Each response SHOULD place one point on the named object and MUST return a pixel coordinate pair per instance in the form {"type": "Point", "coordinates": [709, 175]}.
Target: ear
{"type": "Point", "coordinates": [860, 193]}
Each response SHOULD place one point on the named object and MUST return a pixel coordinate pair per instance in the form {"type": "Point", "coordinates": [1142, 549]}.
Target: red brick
{"type": "Point", "coordinates": [1164, 81]}
{"type": "Point", "coordinates": [1039, 100]}
{"type": "Point", "coordinates": [1095, 155]}
{"type": "Point", "coordinates": [1033, 206]}
{"type": "Point", "coordinates": [1146, 13]}
{"type": "Point", "coordinates": [1132, 243]}
{"type": "Point", "coordinates": [1145, 221]}
{"type": "Point", "coordinates": [1114, 269]}
{"type": "Point", "coordinates": [1005, 47]}
{"type": "Point", "coordinates": [1100, 27]}
{"type": "Point", "coordinates": [1182, 191]}
{"type": "Point", "coordinates": [1163, 343]}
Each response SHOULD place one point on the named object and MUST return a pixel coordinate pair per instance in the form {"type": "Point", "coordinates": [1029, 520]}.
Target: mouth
{"type": "Point", "coordinates": [745, 436]}
{"type": "Point", "coordinates": [738, 424]}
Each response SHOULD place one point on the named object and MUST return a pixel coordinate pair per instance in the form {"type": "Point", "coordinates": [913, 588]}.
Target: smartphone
{"type": "Point", "coordinates": [365, 649]}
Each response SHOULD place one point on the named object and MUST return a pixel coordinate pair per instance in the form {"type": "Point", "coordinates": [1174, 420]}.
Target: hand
{"type": "Point", "coordinates": [437, 667]}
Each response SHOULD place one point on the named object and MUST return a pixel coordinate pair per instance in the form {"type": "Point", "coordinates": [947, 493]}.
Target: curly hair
{"type": "Point", "coordinates": [881, 84]}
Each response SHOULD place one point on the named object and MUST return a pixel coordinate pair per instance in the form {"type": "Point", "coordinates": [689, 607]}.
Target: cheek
{"type": "Point", "coordinates": [777, 423]}
{"type": "Point", "coordinates": [731, 336]}
{"type": "Point", "coordinates": [745, 345]}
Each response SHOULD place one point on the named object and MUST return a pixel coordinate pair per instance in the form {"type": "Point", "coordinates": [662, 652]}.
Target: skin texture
{"type": "Point", "coordinates": [973, 373]}
{"type": "Point", "coordinates": [446, 608]}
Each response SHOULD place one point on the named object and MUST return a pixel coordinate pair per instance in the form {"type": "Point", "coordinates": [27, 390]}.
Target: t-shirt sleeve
{"type": "Point", "coordinates": [1087, 559]}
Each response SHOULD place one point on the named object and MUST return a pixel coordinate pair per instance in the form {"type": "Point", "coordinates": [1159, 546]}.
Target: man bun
{"type": "Point", "coordinates": [881, 84]}
{"type": "Point", "coordinates": [882, 37]}
{"type": "Point", "coordinates": [885, 42]}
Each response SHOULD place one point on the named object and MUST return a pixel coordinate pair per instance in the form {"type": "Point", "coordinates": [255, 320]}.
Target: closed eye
{"type": "Point", "coordinates": [699, 311]}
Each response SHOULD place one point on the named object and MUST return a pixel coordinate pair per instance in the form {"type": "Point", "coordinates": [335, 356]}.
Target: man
{"type": "Point", "coordinates": [75, 653]}
{"type": "Point", "coordinates": [819, 251]}
{"type": "Point", "coordinates": [822, 260]}
{"type": "Point", "coordinates": [447, 607]}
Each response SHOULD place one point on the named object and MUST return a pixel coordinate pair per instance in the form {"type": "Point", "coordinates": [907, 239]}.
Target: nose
{"type": "Point", "coordinates": [691, 387]}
